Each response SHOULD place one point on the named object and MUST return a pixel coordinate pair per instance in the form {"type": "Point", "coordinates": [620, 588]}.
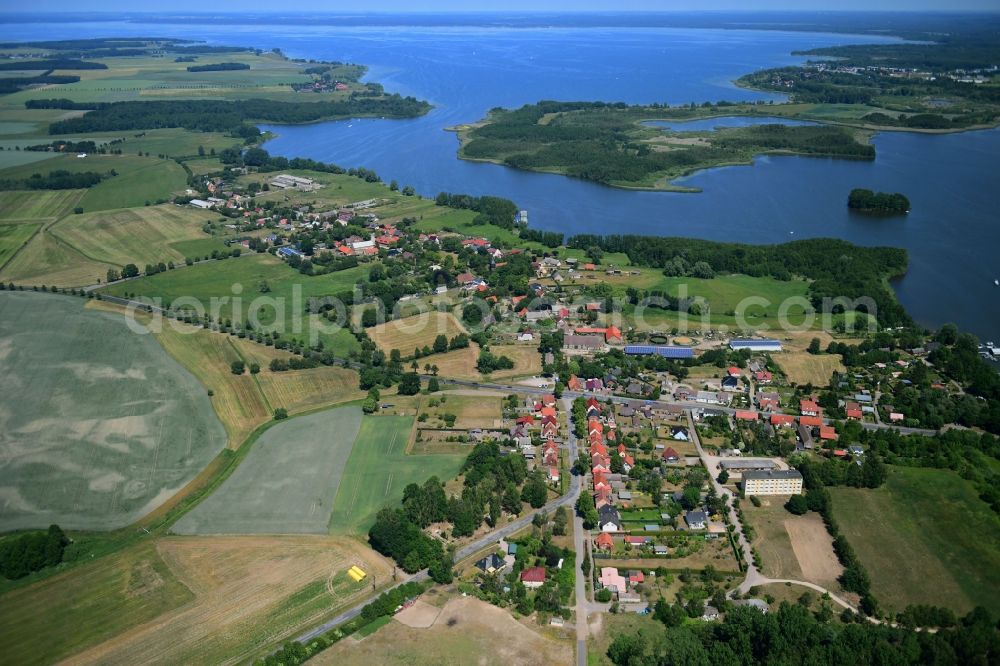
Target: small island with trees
{"type": "Point", "coordinates": [877, 203]}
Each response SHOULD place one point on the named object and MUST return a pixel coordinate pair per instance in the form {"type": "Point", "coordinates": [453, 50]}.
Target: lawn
{"type": "Point", "coordinates": [925, 537]}
{"type": "Point", "coordinates": [87, 605]}
{"type": "Point", "coordinates": [728, 294]}
{"type": "Point", "coordinates": [13, 237]}
{"type": "Point", "coordinates": [379, 469]}
{"type": "Point", "coordinates": [145, 235]}
{"type": "Point", "coordinates": [286, 484]}
{"type": "Point", "coordinates": [236, 285]}
{"type": "Point", "coordinates": [806, 368]}
{"type": "Point", "coordinates": [100, 426]}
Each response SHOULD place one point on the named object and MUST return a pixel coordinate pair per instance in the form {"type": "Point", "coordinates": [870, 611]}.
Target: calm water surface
{"type": "Point", "coordinates": [952, 234]}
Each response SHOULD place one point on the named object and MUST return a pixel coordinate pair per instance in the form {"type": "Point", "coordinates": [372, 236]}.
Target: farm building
{"type": "Point", "coordinates": [659, 350]}
{"type": "Point", "coordinates": [762, 345]}
{"type": "Point", "coordinates": [286, 181]}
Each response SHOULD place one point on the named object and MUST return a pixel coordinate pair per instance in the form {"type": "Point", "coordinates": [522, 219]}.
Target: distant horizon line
{"type": "Point", "coordinates": [410, 12]}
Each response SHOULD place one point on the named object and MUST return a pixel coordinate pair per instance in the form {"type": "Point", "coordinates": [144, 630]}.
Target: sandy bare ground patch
{"type": "Point", "coordinates": [467, 631]}
{"type": "Point", "coordinates": [250, 592]}
{"type": "Point", "coordinates": [419, 616]}
{"type": "Point", "coordinates": [813, 548]}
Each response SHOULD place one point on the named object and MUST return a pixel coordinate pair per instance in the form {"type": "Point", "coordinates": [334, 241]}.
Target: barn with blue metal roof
{"type": "Point", "coordinates": [660, 350]}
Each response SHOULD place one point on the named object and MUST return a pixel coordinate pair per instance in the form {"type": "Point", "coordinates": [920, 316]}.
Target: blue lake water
{"type": "Point", "coordinates": [711, 124]}
{"type": "Point", "coordinates": [952, 233]}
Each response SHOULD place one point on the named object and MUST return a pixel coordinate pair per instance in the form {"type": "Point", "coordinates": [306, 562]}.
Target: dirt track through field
{"type": "Point", "coordinates": [250, 592]}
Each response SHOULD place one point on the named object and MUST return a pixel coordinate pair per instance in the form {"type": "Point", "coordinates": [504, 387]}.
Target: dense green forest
{"type": "Point", "coordinates": [867, 201]}
{"type": "Point", "coordinates": [837, 268]}
{"type": "Point", "coordinates": [12, 84]}
{"type": "Point", "coordinates": [55, 180]}
{"type": "Point", "coordinates": [222, 116]}
{"type": "Point", "coordinates": [608, 144]}
{"type": "Point", "coordinates": [492, 210]}
{"type": "Point", "coordinates": [219, 67]}
{"type": "Point", "coordinates": [49, 64]}
{"type": "Point", "coordinates": [793, 635]}
{"type": "Point", "coordinates": [24, 553]}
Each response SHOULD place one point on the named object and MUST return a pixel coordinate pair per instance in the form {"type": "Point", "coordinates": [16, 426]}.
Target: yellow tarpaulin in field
{"type": "Point", "coordinates": [357, 574]}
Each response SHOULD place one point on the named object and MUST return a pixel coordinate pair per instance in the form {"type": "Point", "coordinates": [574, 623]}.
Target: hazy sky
{"type": "Point", "coordinates": [496, 5]}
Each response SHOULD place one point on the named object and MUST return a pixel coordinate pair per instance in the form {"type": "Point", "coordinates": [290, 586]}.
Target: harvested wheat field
{"type": "Point", "coordinates": [806, 368]}
{"type": "Point", "coordinates": [417, 331]}
{"type": "Point", "coordinates": [250, 594]}
{"type": "Point", "coordinates": [458, 364]}
{"type": "Point", "coordinates": [467, 631]}
{"type": "Point", "coordinates": [527, 360]}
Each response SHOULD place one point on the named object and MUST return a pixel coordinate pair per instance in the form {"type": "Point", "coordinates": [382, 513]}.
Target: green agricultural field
{"type": "Point", "coordinates": [48, 261]}
{"type": "Point", "coordinates": [16, 158]}
{"type": "Point", "coordinates": [136, 235]}
{"type": "Point", "coordinates": [378, 471]}
{"type": "Point", "coordinates": [87, 605]}
{"type": "Point", "coordinates": [925, 538]}
{"type": "Point", "coordinates": [137, 185]}
{"type": "Point", "coordinates": [199, 247]}
{"type": "Point", "coordinates": [287, 483]}
{"type": "Point", "coordinates": [99, 425]}
{"type": "Point", "coordinates": [244, 276]}
{"type": "Point", "coordinates": [139, 180]}
{"type": "Point", "coordinates": [13, 237]}
{"type": "Point", "coordinates": [725, 293]}
{"type": "Point", "coordinates": [36, 205]}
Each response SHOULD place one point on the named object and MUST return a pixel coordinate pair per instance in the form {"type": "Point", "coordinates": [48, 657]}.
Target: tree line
{"type": "Point", "coordinates": [793, 635]}
{"type": "Point", "coordinates": [59, 179]}
{"type": "Point", "coordinates": [50, 64]}
{"type": "Point", "coordinates": [25, 553]}
{"type": "Point", "coordinates": [220, 115]}
{"type": "Point", "coordinates": [497, 211]}
{"type": "Point", "coordinates": [218, 67]}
